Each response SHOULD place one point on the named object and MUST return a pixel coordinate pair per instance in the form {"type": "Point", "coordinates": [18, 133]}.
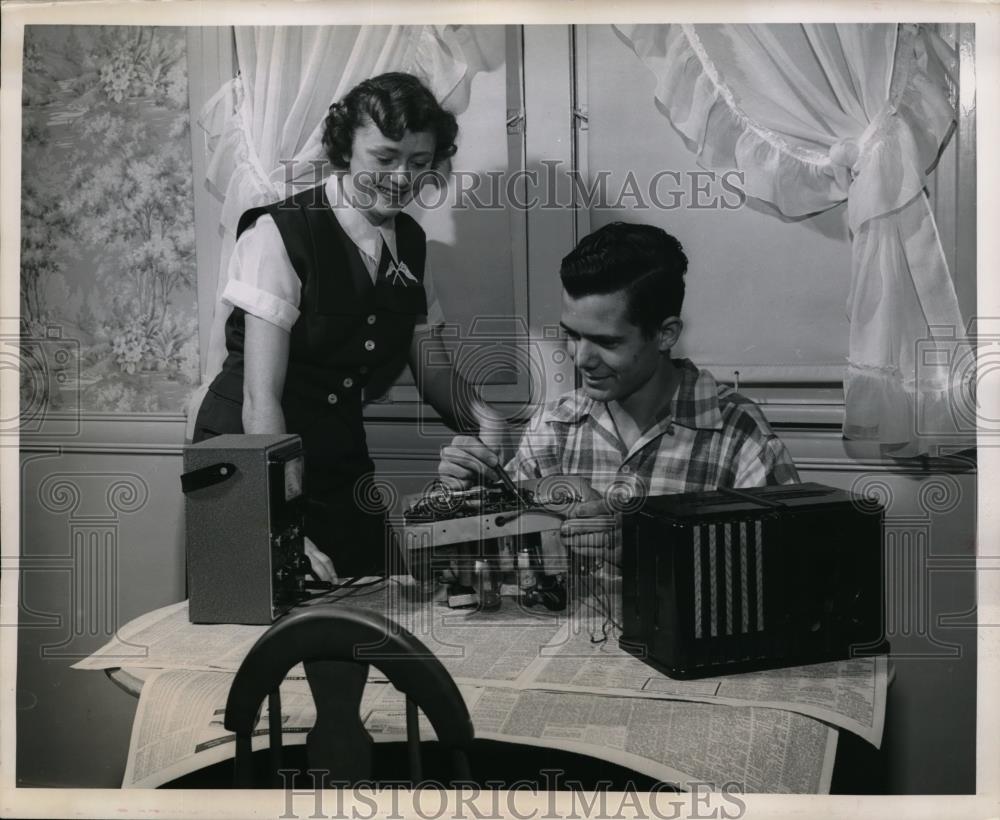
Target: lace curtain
{"type": "Point", "coordinates": [265, 125]}
{"type": "Point", "coordinates": [814, 115]}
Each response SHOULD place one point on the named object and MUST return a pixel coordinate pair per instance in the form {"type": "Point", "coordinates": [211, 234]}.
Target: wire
{"type": "Point", "coordinates": [350, 587]}
{"type": "Point", "coordinates": [597, 597]}
{"type": "Point", "coordinates": [354, 587]}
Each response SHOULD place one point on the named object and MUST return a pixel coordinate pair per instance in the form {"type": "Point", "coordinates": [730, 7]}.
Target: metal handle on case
{"type": "Point", "coordinates": [207, 476]}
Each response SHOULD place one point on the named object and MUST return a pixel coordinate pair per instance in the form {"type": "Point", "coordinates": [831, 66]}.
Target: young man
{"type": "Point", "coordinates": [642, 423]}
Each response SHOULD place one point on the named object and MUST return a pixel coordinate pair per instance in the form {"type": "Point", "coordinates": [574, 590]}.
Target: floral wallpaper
{"type": "Point", "coordinates": [108, 290]}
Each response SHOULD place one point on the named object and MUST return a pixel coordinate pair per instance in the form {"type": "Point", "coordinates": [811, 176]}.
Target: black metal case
{"type": "Point", "coordinates": [244, 521]}
{"type": "Point", "coordinates": [736, 580]}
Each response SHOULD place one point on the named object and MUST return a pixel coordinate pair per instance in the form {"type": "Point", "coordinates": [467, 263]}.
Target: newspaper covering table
{"type": "Point", "coordinates": [524, 649]}
{"type": "Point", "coordinates": [178, 729]}
{"type": "Point", "coordinates": [513, 661]}
{"type": "Point", "coordinates": [850, 694]}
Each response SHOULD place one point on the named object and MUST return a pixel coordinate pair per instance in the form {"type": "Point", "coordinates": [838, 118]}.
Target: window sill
{"type": "Point", "coordinates": [799, 406]}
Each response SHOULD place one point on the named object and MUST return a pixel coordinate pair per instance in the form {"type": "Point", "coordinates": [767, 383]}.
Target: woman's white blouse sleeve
{"type": "Point", "coordinates": [261, 278]}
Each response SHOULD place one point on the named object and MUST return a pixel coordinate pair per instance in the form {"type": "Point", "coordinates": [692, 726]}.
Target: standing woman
{"type": "Point", "coordinates": [328, 297]}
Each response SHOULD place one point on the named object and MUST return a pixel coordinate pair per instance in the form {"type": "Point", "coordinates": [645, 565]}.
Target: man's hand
{"type": "Point", "coordinates": [322, 566]}
{"type": "Point", "coordinates": [564, 494]}
{"type": "Point", "coordinates": [590, 530]}
{"type": "Point", "coordinates": [466, 462]}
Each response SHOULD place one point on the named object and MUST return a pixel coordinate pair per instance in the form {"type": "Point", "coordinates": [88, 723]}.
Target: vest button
{"type": "Point", "coordinates": [332, 398]}
{"type": "Point", "coordinates": [371, 319]}
{"type": "Point", "coordinates": [348, 382]}
{"type": "Point", "coordinates": [369, 345]}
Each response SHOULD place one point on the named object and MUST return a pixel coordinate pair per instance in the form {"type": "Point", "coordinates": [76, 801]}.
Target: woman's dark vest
{"type": "Point", "coordinates": [347, 330]}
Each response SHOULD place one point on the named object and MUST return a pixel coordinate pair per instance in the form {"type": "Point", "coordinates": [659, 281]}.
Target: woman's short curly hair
{"type": "Point", "coordinates": [395, 102]}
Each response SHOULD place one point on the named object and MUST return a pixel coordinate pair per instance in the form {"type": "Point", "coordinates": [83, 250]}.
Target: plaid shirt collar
{"type": "Point", "coordinates": [694, 405]}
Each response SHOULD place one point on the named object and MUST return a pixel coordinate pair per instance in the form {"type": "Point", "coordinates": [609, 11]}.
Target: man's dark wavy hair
{"type": "Point", "coordinates": [395, 102]}
{"type": "Point", "coordinates": [644, 261]}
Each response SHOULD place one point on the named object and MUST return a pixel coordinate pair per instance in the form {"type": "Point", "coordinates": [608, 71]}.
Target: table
{"type": "Point", "coordinates": [726, 720]}
{"type": "Point", "coordinates": [492, 760]}
{"type": "Point", "coordinates": [859, 768]}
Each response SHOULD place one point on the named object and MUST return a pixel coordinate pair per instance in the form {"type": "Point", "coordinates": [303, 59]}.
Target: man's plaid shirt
{"type": "Point", "coordinates": [707, 437]}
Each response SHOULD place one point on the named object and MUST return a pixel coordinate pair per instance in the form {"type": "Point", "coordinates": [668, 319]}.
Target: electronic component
{"type": "Point", "coordinates": [443, 517]}
{"type": "Point", "coordinates": [244, 516]}
{"type": "Point", "coordinates": [446, 526]}
{"type": "Point", "coordinates": [734, 580]}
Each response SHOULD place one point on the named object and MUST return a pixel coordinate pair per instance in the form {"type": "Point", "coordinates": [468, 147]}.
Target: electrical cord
{"type": "Point", "coordinates": [596, 591]}
{"type": "Point", "coordinates": [354, 591]}
{"type": "Point", "coordinates": [327, 588]}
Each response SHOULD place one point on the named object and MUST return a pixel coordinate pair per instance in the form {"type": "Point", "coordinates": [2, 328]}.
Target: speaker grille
{"type": "Point", "coordinates": [734, 548]}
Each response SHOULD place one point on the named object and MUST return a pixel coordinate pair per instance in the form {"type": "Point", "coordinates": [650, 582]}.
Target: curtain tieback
{"type": "Point", "coordinates": [845, 153]}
